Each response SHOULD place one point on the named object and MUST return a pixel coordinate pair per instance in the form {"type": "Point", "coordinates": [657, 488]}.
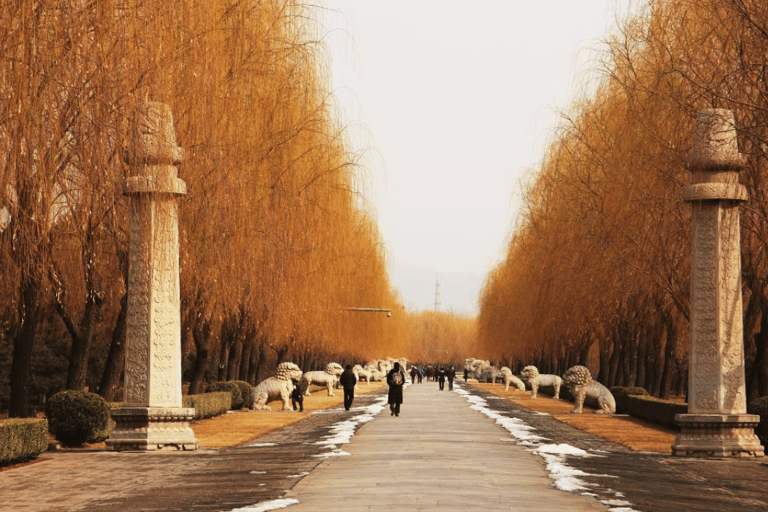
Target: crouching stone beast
{"type": "Point", "coordinates": [509, 378]}
{"type": "Point", "coordinates": [277, 387]}
{"type": "Point", "coordinates": [327, 378]}
{"type": "Point", "coordinates": [531, 375]}
{"type": "Point", "coordinates": [584, 389]}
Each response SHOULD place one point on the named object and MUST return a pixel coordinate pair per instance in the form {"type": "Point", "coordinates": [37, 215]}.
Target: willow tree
{"type": "Point", "coordinates": [275, 237]}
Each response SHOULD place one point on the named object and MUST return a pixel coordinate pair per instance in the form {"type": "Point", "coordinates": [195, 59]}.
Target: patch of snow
{"type": "Point", "coordinates": [303, 473]}
{"type": "Point", "coordinates": [268, 505]}
{"type": "Point", "coordinates": [258, 472]}
{"type": "Point", "coordinates": [565, 477]}
{"type": "Point", "coordinates": [260, 445]}
{"type": "Point", "coordinates": [335, 453]}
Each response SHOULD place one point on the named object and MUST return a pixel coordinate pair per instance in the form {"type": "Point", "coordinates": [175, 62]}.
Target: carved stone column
{"type": "Point", "coordinates": [152, 417]}
{"type": "Point", "coordinates": [717, 423]}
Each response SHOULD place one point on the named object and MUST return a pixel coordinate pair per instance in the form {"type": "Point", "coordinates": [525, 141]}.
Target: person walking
{"type": "Point", "coordinates": [450, 374]}
{"type": "Point", "coordinates": [395, 380]}
{"type": "Point", "coordinates": [348, 381]}
{"type": "Point", "coordinates": [297, 396]}
{"type": "Point", "coordinates": [441, 378]}
{"type": "Point", "coordinates": [414, 372]}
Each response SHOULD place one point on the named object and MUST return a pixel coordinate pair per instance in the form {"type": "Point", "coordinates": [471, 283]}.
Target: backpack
{"type": "Point", "coordinates": [397, 379]}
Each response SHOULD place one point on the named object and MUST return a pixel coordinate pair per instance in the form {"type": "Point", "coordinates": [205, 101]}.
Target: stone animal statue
{"type": "Point", "coordinates": [508, 378]}
{"type": "Point", "coordinates": [373, 372]}
{"type": "Point", "coordinates": [278, 387]}
{"type": "Point", "coordinates": [325, 378]}
{"type": "Point", "coordinates": [362, 374]}
{"type": "Point", "coordinates": [384, 366]}
{"type": "Point", "coordinates": [584, 389]}
{"type": "Point", "coordinates": [476, 367]}
{"type": "Point", "coordinates": [531, 375]}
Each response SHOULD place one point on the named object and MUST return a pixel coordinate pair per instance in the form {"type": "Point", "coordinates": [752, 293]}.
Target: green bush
{"type": "Point", "coordinates": [246, 390]}
{"type": "Point", "coordinates": [208, 405]}
{"type": "Point", "coordinates": [621, 393]}
{"type": "Point", "coordinates": [759, 406]}
{"type": "Point", "coordinates": [78, 417]}
{"type": "Point", "coordinates": [655, 410]}
{"type": "Point", "coordinates": [22, 439]}
{"type": "Point", "coordinates": [230, 387]}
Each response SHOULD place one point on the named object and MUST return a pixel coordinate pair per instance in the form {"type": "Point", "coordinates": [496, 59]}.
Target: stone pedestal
{"type": "Point", "coordinates": [153, 417]}
{"type": "Point", "coordinates": [717, 424]}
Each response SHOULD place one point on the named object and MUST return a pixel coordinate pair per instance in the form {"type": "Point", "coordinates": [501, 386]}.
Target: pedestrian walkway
{"type": "Point", "coordinates": [438, 455]}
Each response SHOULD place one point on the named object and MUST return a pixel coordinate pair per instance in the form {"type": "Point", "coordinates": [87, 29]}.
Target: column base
{"type": "Point", "coordinates": [151, 429]}
{"type": "Point", "coordinates": [717, 435]}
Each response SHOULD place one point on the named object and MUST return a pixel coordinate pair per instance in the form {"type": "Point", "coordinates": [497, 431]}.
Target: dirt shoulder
{"type": "Point", "coordinates": [237, 427]}
{"type": "Point", "coordinates": [637, 435]}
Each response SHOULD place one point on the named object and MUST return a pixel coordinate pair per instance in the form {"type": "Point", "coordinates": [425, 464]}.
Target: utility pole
{"type": "Point", "coordinates": [437, 294]}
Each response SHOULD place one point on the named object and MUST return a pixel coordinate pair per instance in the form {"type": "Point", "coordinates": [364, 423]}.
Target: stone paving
{"type": "Point", "coordinates": [438, 455]}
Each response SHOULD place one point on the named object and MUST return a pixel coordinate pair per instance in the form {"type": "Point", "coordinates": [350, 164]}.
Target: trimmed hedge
{"type": "Point", "coordinates": [620, 393]}
{"type": "Point", "coordinates": [759, 406]}
{"type": "Point", "coordinates": [22, 439]}
{"type": "Point", "coordinates": [208, 405]}
{"type": "Point", "coordinates": [229, 387]}
{"type": "Point", "coordinates": [655, 410]}
{"type": "Point", "coordinates": [247, 391]}
{"type": "Point", "coordinates": [78, 417]}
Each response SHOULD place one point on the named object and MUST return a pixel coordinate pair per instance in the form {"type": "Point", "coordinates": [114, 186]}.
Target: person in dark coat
{"type": "Point", "coordinates": [297, 397]}
{"type": "Point", "coordinates": [414, 372]}
{"type": "Point", "coordinates": [395, 380]}
{"type": "Point", "coordinates": [348, 381]}
{"type": "Point", "coordinates": [441, 378]}
{"type": "Point", "coordinates": [450, 374]}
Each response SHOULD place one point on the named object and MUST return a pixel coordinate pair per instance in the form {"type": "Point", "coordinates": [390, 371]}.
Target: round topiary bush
{"type": "Point", "coordinates": [759, 406]}
{"type": "Point", "coordinates": [231, 387]}
{"type": "Point", "coordinates": [247, 391]}
{"type": "Point", "coordinates": [77, 417]}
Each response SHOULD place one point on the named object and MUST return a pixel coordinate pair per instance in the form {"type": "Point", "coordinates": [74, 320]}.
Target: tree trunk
{"type": "Point", "coordinates": [614, 362]}
{"type": "Point", "coordinates": [81, 342]}
{"type": "Point", "coordinates": [245, 361]}
{"type": "Point", "coordinates": [604, 349]}
{"type": "Point", "coordinates": [233, 369]}
{"type": "Point", "coordinates": [115, 363]}
{"type": "Point", "coordinates": [254, 376]}
{"type": "Point", "coordinates": [201, 333]}
{"type": "Point", "coordinates": [23, 348]}
{"type": "Point", "coordinates": [757, 379]}
{"type": "Point", "coordinates": [669, 358]}
{"type": "Point", "coordinates": [640, 361]}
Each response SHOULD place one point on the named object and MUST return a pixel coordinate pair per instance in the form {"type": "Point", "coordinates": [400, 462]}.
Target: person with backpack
{"type": "Point", "coordinates": [395, 380]}
{"type": "Point", "coordinates": [348, 382]}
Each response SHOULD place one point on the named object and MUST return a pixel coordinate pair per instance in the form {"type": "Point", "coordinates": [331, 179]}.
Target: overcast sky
{"type": "Point", "coordinates": [452, 102]}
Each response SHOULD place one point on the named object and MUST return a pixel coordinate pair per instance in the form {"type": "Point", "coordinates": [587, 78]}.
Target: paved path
{"type": "Point", "coordinates": [438, 455]}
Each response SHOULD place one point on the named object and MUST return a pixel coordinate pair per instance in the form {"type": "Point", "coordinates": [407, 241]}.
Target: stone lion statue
{"type": "Point", "coordinates": [280, 386]}
{"type": "Point", "coordinates": [325, 378]}
{"type": "Point", "coordinates": [531, 375]}
{"type": "Point", "coordinates": [584, 389]}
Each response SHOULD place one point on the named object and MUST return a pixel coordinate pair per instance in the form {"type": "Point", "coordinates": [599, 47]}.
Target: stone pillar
{"type": "Point", "coordinates": [717, 423]}
{"type": "Point", "coordinates": [152, 417]}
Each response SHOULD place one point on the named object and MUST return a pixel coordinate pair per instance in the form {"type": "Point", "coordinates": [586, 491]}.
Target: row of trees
{"type": "Point", "coordinates": [598, 271]}
{"type": "Point", "coordinates": [275, 236]}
